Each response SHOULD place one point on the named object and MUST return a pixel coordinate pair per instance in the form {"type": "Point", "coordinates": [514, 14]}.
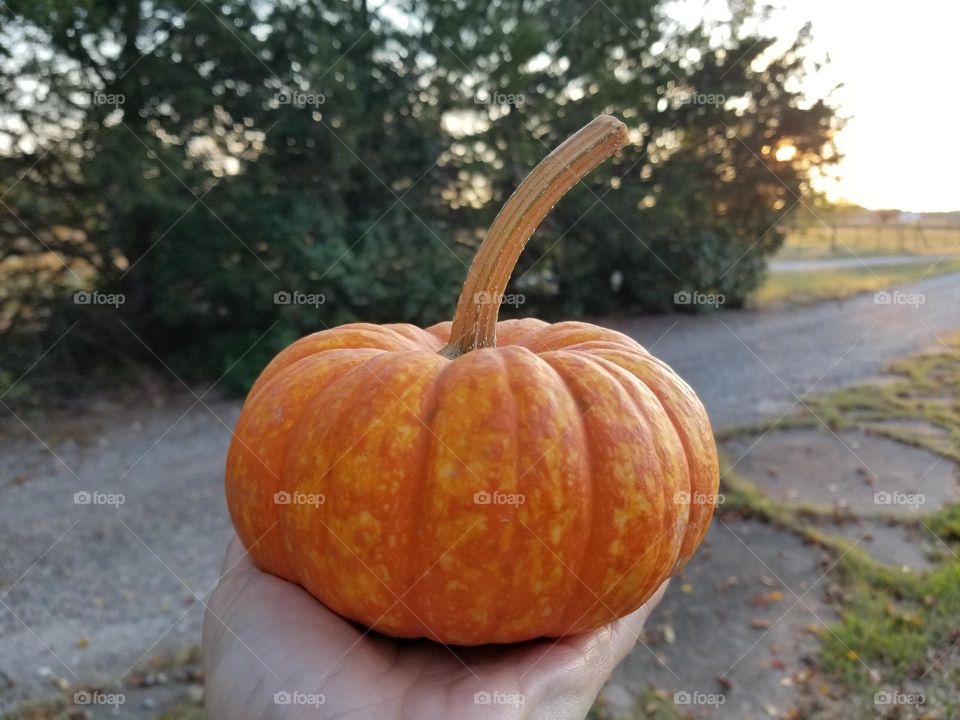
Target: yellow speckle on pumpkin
{"type": "Point", "coordinates": [620, 518]}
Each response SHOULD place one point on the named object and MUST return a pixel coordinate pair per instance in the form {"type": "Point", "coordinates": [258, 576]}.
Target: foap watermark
{"type": "Point", "coordinates": [699, 98]}
{"type": "Point", "coordinates": [111, 99]}
{"type": "Point", "coordinates": [298, 498]}
{"type": "Point", "coordinates": [298, 99]}
{"type": "Point", "coordinates": [85, 297]}
{"type": "Point", "coordinates": [482, 697]}
{"type": "Point", "coordinates": [897, 497]}
{"type": "Point", "coordinates": [898, 297]}
{"type": "Point", "coordinates": [498, 498]}
{"type": "Point", "coordinates": [295, 297]}
{"type": "Point", "coordinates": [83, 497]}
{"type": "Point", "coordinates": [685, 697]}
{"type": "Point", "coordinates": [499, 98]}
{"type": "Point", "coordinates": [894, 697]}
{"type": "Point", "coordinates": [282, 697]}
{"type": "Point", "coordinates": [695, 297]}
{"type": "Point", "coordinates": [682, 497]}
{"type": "Point", "coordinates": [96, 697]}
{"type": "Point", "coordinates": [488, 298]}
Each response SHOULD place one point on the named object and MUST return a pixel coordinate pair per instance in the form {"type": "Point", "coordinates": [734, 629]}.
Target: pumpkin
{"type": "Point", "coordinates": [476, 482]}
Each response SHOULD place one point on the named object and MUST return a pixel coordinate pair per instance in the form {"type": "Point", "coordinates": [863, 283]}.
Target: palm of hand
{"type": "Point", "coordinates": [271, 651]}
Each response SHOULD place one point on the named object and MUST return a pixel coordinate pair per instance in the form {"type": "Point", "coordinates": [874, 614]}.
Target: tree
{"type": "Point", "coordinates": [200, 159]}
{"type": "Point", "coordinates": [695, 206]}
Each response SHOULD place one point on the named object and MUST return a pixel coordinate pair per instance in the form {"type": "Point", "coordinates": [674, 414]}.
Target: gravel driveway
{"type": "Point", "coordinates": [747, 366]}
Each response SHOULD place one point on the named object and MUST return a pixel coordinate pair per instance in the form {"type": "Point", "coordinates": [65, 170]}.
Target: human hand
{"type": "Point", "coordinates": [267, 641]}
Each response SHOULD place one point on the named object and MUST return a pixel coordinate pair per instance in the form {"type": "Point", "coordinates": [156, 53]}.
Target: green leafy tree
{"type": "Point", "coordinates": [197, 158]}
{"type": "Point", "coordinates": [696, 205]}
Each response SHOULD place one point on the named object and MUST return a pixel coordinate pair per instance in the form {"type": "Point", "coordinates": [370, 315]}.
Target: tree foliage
{"type": "Point", "coordinates": [198, 158]}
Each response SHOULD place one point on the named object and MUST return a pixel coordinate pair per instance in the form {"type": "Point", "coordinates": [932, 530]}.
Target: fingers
{"type": "Point", "coordinates": [235, 556]}
{"type": "Point", "coordinates": [564, 680]}
{"type": "Point", "coordinates": [625, 632]}
{"type": "Point", "coordinates": [594, 654]}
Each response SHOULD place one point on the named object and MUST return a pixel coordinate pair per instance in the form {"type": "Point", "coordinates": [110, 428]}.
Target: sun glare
{"type": "Point", "coordinates": [785, 153]}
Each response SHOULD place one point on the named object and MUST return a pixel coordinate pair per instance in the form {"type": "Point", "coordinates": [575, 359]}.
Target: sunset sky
{"type": "Point", "coordinates": [898, 66]}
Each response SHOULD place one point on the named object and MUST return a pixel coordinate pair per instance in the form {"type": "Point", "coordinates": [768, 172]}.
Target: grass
{"type": "Point", "coordinates": [653, 705]}
{"type": "Point", "coordinates": [824, 242]}
{"type": "Point", "coordinates": [896, 630]}
{"type": "Point", "coordinates": [806, 287]}
{"type": "Point", "coordinates": [895, 626]}
{"type": "Point", "coordinates": [918, 404]}
{"type": "Point", "coordinates": [60, 708]}
{"type": "Point", "coordinates": [185, 710]}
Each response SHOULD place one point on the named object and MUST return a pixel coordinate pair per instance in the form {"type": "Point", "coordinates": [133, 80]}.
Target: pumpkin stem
{"type": "Point", "coordinates": [475, 321]}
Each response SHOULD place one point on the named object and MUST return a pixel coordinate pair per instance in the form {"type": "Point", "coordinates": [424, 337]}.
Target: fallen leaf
{"type": "Point", "coordinates": [669, 635]}
{"type": "Point", "coordinates": [730, 582]}
{"type": "Point", "coordinates": [767, 599]}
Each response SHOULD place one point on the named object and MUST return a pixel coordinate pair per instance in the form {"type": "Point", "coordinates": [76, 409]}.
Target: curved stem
{"type": "Point", "coordinates": [475, 321]}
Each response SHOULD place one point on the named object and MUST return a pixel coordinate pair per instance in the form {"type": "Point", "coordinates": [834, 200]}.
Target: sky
{"type": "Point", "coordinates": [898, 64]}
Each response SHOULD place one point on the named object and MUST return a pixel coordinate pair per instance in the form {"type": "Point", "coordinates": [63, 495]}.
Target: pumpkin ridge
{"type": "Point", "coordinates": [602, 594]}
{"type": "Point", "coordinates": [669, 377]}
{"type": "Point", "coordinates": [506, 578]}
{"type": "Point", "coordinates": [417, 336]}
{"type": "Point", "coordinates": [240, 445]}
{"type": "Point", "coordinates": [405, 401]}
{"type": "Point", "coordinates": [353, 336]}
{"type": "Point", "coordinates": [578, 582]}
{"type": "Point", "coordinates": [569, 583]}
{"type": "Point", "coordinates": [307, 359]}
{"type": "Point", "coordinates": [557, 336]}
{"type": "Point", "coordinates": [412, 597]}
{"type": "Point", "coordinates": [613, 369]}
{"type": "Point", "coordinates": [310, 408]}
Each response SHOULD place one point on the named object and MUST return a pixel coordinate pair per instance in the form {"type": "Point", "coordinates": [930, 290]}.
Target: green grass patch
{"type": "Point", "coordinates": [654, 704]}
{"type": "Point", "coordinates": [895, 629]}
{"type": "Point", "coordinates": [896, 625]}
{"type": "Point", "coordinates": [185, 710]}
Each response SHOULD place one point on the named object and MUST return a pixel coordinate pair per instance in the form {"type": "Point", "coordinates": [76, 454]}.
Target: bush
{"type": "Point", "coordinates": [340, 155]}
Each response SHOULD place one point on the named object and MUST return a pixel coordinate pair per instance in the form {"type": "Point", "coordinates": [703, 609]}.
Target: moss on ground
{"type": "Point", "coordinates": [655, 704]}
{"type": "Point", "coordinates": [896, 629]}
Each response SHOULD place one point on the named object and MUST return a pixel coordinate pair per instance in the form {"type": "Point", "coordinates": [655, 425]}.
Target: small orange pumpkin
{"type": "Point", "coordinates": [476, 482]}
